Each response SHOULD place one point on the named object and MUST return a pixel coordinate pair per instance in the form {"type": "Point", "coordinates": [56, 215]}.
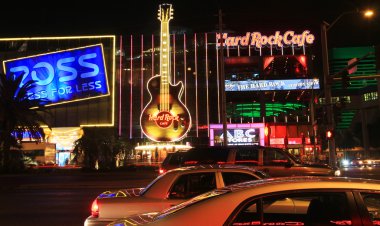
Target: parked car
{"type": "Point", "coordinates": [167, 190]}
{"type": "Point", "coordinates": [277, 201]}
{"type": "Point", "coordinates": [274, 161]}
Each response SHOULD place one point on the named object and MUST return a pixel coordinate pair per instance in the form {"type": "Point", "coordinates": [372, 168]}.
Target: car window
{"type": "Point", "coordinates": [190, 185]}
{"type": "Point", "coordinates": [247, 157]}
{"type": "Point", "coordinates": [298, 208]}
{"type": "Point", "coordinates": [204, 156]}
{"type": "Point", "coordinates": [236, 177]}
{"type": "Point", "coordinates": [274, 158]}
{"type": "Point", "coordinates": [372, 202]}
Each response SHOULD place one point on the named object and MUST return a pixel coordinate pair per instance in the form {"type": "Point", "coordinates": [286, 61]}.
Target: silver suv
{"type": "Point", "coordinates": [274, 161]}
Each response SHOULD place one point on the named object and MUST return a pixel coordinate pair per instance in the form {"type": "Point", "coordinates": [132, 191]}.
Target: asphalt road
{"type": "Point", "coordinates": [64, 198]}
{"type": "Point", "coordinates": [59, 198]}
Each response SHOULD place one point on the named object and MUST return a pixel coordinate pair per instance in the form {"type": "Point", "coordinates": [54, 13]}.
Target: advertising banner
{"type": "Point", "coordinates": [266, 85]}
{"type": "Point", "coordinates": [63, 76]}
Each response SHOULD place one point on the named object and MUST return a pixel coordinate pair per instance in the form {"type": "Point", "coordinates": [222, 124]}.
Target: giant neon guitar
{"type": "Point", "coordinates": [165, 117]}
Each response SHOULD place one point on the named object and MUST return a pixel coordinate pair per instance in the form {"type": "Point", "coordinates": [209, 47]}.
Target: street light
{"type": "Point", "coordinates": [328, 79]}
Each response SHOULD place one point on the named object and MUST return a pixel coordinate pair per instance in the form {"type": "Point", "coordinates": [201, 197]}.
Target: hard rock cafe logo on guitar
{"type": "Point", "coordinates": [164, 119]}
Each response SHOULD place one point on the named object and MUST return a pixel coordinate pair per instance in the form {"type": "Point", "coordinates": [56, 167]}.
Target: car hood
{"type": "Point", "coordinates": [130, 192]}
{"type": "Point", "coordinates": [138, 219]}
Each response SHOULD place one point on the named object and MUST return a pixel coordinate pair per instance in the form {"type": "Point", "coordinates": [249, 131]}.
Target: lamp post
{"type": "Point", "coordinates": [328, 79]}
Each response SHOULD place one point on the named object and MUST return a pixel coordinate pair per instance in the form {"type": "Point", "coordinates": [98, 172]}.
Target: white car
{"type": "Point", "coordinates": [276, 201]}
{"type": "Point", "coordinates": [167, 190]}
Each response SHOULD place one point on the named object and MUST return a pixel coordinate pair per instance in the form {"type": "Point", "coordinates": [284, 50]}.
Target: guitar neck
{"type": "Point", "coordinates": [164, 66]}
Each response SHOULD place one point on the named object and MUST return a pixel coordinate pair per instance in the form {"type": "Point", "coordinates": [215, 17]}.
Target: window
{"type": "Point", "coordinates": [307, 208]}
{"type": "Point", "coordinates": [247, 157]}
{"type": "Point", "coordinates": [190, 185]}
{"type": "Point", "coordinates": [372, 202]}
{"type": "Point", "coordinates": [274, 158]}
{"type": "Point", "coordinates": [235, 177]}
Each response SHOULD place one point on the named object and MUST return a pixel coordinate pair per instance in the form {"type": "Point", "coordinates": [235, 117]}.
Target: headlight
{"type": "Point", "coordinates": [337, 173]}
{"type": "Point", "coordinates": [369, 162]}
{"type": "Point", "coordinates": [360, 162]}
{"type": "Point", "coordinates": [345, 162]}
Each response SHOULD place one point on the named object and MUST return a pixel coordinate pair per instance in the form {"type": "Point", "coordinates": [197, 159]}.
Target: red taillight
{"type": "Point", "coordinates": [191, 162]}
{"type": "Point", "coordinates": [161, 171]}
{"type": "Point", "coordinates": [95, 208]}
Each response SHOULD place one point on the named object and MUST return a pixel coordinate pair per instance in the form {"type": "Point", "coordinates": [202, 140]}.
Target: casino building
{"type": "Point", "coordinates": [112, 81]}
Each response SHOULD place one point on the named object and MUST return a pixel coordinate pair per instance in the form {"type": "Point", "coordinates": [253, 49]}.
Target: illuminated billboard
{"type": "Point", "coordinates": [266, 85]}
{"type": "Point", "coordinates": [237, 134]}
{"type": "Point", "coordinates": [63, 76]}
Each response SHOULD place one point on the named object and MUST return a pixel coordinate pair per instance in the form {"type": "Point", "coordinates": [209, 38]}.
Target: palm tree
{"type": "Point", "coordinates": [18, 115]}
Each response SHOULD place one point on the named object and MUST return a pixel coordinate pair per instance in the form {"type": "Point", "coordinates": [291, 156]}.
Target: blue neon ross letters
{"type": "Point", "coordinates": [63, 76]}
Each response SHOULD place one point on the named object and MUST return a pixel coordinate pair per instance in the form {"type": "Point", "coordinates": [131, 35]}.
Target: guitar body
{"type": "Point", "coordinates": [169, 124]}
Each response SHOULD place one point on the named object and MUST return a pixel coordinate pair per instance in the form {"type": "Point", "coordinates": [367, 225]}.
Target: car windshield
{"type": "Point", "coordinates": [195, 200]}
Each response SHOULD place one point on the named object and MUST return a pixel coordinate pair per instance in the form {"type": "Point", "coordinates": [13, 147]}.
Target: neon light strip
{"type": "Point", "coordinates": [152, 55]}
{"type": "Point", "coordinates": [120, 70]}
{"type": "Point", "coordinates": [184, 64]}
{"type": "Point", "coordinates": [142, 79]}
{"type": "Point", "coordinates": [207, 103]}
{"type": "Point", "coordinates": [217, 75]}
{"type": "Point", "coordinates": [196, 84]}
{"type": "Point", "coordinates": [173, 58]}
{"type": "Point", "coordinates": [130, 103]}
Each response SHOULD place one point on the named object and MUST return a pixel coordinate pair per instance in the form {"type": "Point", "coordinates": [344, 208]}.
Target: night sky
{"type": "Point", "coordinates": [37, 18]}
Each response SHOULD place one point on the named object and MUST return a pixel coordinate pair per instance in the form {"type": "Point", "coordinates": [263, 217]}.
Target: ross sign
{"type": "Point", "coordinates": [63, 76]}
{"type": "Point", "coordinates": [264, 85]}
{"type": "Point", "coordinates": [256, 39]}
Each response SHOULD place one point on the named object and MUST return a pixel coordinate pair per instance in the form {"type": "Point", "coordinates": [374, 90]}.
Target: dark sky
{"type": "Point", "coordinates": [50, 18]}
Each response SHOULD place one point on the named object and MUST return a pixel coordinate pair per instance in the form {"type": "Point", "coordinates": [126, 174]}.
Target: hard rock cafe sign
{"type": "Point", "coordinates": [258, 40]}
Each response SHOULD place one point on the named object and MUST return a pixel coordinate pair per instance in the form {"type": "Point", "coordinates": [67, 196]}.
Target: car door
{"type": "Point", "coordinates": [312, 207]}
{"type": "Point", "coordinates": [276, 163]}
{"type": "Point", "coordinates": [189, 185]}
{"type": "Point", "coordinates": [369, 206]}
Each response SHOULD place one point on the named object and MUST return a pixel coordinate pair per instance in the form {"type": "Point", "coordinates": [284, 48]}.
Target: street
{"type": "Point", "coordinates": [64, 198]}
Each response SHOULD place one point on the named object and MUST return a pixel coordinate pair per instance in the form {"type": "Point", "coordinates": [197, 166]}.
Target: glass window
{"type": "Point", "coordinates": [372, 202]}
{"type": "Point", "coordinates": [235, 177]}
{"type": "Point", "coordinates": [312, 209]}
{"type": "Point", "coordinates": [247, 157]}
{"type": "Point", "coordinates": [274, 158]}
{"type": "Point", "coordinates": [190, 185]}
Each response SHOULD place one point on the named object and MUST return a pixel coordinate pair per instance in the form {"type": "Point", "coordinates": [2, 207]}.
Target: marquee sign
{"type": "Point", "coordinates": [63, 76]}
{"type": "Point", "coordinates": [256, 39]}
{"type": "Point", "coordinates": [265, 85]}
{"type": "Point", "coordinates": [238, 134]}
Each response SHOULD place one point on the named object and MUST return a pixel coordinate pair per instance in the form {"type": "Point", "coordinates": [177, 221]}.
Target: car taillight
{"type": "Point", "coordinates": [161, 171]}
{"type": "Point", "coordinates": [190, 162]}
{"type": "Point", "coordinates": [95, 208]}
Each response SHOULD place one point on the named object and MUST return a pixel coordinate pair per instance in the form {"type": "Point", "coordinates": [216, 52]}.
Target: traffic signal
{"type": "Point", "coordinates": [329, 134]}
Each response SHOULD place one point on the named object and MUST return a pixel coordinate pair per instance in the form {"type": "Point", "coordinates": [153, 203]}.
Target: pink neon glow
{"type": "Point", "coordinates": [207, 106]}
{"type": "Point", "coordinates": [217, 77]}
{"type": "Point", "coordinates": [142, 78]}
{"type": "Point", "coordinates": [120, 71]}
{"type": "Point", "coordinates": [152, 55]}
{"type": "Point", "coordinates": [130, 100]}
{"type": "Point", "coordinates": [196, 84]}
{"type": "Point", "coordinates": [184, 64]}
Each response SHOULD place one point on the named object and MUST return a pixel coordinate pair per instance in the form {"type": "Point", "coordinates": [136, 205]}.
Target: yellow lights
{"type": "Point", "coordinates": [110, 39]}
{"type": "Point", "coordinates": [368, 13]}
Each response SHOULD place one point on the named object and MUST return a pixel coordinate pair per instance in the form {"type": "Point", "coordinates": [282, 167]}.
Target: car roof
{"type": "Point", "coordinates": [306, 182]}
{"type": "Point", "coordinates": [214, 167]}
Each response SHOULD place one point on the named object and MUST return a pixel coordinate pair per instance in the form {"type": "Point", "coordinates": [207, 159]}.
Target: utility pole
{"type": "Point", "coordinates": [222, 80]}
{"type": "Point", "coordinates": [327, 91]}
